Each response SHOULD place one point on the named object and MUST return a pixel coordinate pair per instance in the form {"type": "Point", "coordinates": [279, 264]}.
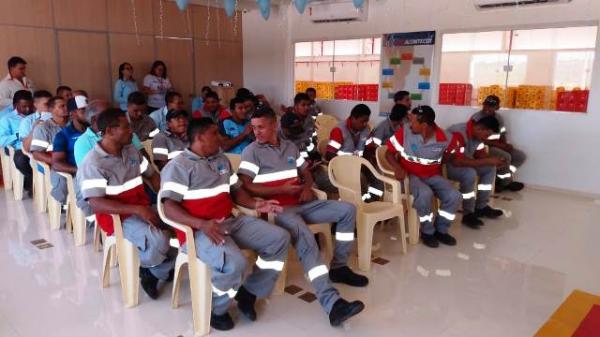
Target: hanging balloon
{"type": "Point", "coordinates": [300, 5]}
{"type": "Point", "coordinates": [229, 7]}
{"type": "Point", "coordinates": [182, 4]}
{"type": "Point", "coordinates": [358, 3]}
{"type": "Point", "coordinates": [265, 8]}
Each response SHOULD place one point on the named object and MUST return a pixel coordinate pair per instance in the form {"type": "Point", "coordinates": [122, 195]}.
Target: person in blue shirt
{"type": "Point", "coordinates": [174, 101]}
{"type": "Point", "coordinates": [198, 101]}
{"type": "Point", "coordinates": [124, 86]}
{"type": "Point", "coordinates": [9, 133]}
{"type": "Point", "coordinates": [236, 130]}
{"type": "Point", "coordinates": [41, 114]}
{"type": "Point", "coordinates": [63, 152]}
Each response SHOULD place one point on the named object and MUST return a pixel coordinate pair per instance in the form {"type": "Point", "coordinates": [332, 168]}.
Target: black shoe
{"type": "Point", "coordinates": [221, 322]}
{"type": "Point", "coordinates": [499, 187]}
{"type": "Point", "coordinates": [347, 276]}
{"type": "Point", "coordinates": [488, 212]}
{"type": "Point", "coordinates": [246, 301]}
{"type": "Point", "coordinates": [470, 220]}
{"type": "Point", "coordinates": [429, 240]}
{"type": "Point", "coordinates": [445, 238]}
{"type": "Point", "coordinates": [342, 310]}
{"type": "Point", "coordinates": [515, 186]}
{"type": "Point", "coordinates": [149, 283]}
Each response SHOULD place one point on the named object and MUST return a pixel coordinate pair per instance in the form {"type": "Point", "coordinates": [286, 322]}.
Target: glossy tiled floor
{"type": "Point", "coordinates": [529, 263]}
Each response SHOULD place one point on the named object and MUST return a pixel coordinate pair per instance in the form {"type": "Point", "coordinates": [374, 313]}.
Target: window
{"type": "Point", "coordinates": [340, 69]}
{"type": "Point", "coordinates": [541, 69]}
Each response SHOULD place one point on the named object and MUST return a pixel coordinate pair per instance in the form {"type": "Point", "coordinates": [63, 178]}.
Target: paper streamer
{"type": "Point", "coordinates": [424, 272]}
{"type": "Point", "coordinates": [463, 256]}
{"type": "Point", "coordinates": [479, 246]}
{"type": "Point", "coordinates": [443, 272]}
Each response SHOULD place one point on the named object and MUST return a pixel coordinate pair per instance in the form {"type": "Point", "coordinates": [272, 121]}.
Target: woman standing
{"type": "Point", "coordinates": [125, 85]}
{"type": "Point", "coordinates": [156, 86]}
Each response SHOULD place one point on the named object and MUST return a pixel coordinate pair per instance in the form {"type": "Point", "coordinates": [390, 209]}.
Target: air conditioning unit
{"type": "Point", "coordinates": [336, 11]}
{"type": "Point", "coordinates": [493, 4]}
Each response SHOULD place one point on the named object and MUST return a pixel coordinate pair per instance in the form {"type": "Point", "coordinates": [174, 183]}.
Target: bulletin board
{"type": "Point", "coordinates": [406, 62]}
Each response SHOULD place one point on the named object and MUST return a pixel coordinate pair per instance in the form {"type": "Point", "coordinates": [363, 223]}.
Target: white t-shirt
{"type": "Point", "coordinates": [159, 84]}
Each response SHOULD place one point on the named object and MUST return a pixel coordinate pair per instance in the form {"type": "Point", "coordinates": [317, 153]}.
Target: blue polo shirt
{"type": "Point", "coordinates": [64, 141]}
{"type": "Point", "coordinates": [231, 129]}
{"type": "Point", "coordinates": [9, 130]}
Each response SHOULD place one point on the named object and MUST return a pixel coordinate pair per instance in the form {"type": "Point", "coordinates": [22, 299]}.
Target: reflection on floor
{"type": "Point", "coordinates": [503, 280]}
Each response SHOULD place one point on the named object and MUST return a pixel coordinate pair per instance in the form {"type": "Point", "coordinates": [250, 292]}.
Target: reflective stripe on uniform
{"type": "Point", "coordinates": [40, 143]}
{"type": "Point", "coordinates": [334, 144]}
{"type": "Point", "coordinates": [204, 193]}
{"type": "Point", "coordinates": [339, 236]}
{"type": "Point", "coordinates": [93, 183]}
{"type": "Point", "coordinates": [512, 168]}
{"type": "Point", "coordinates": [144, 165]}
{"type": "Point", "coordinates": [317, 271]}
{"type": "Point", "coordinates": [129, 185]}
{"type": "Point", "coordinates": [246, 165]}
{"type": "Point", "coordinates": [273, 265]}
{"type": "Point", "coordinates": [275, 176]}
{"type": "Point", "coordinates": [504, 176]}
{"type": "Point", "coordinates": [467, 196]}
{"type": "Point", "coordinates": [414, 159]}
{"type": "Point", "coordinates": [174, 154]}
{"type": "Point", "coordinates": [153, 133]}
{"type": "Point", "coordinates": [160, 150]}
{"type": "Point", "coordinates": [233, 179]}
{"type": "Point", "coordinates": [426, 218]}
{"type": "Point", "coordinates": [230, 293]}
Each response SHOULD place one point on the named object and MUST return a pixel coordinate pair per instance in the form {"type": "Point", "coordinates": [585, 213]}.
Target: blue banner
{"type": "Point", "coordinates": [409, 39]}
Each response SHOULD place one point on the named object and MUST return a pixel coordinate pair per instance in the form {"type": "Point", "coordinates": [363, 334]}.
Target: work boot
{"type": "Point", "coordinates": [347, 276]}
{"type": "Point", "coordinates": [488, 212]}
{"type": "Point", "coordinates": [515, 186]}
{"type": "Point", "coordinates": [445, 238]}
{"type": "Point", "coordinates": [149, 282]}
{"type": "Point", "coordinates": [246, 301]}
{"type": "Point", "coordinates": [342, 310]}
{"type": "Point", "coordinates": [221, 322]}
{"type": "Point", "coordinates": [471, 221]}
{"type": "Point", "coordinates": [429, 240]}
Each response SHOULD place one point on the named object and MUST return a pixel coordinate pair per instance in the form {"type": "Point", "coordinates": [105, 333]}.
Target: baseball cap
{"type": "Point", "coordinates": [77, 102]}
{"type": "Point", "coordinates": [491, 100]}
{"type": "Point", "coordinates": [291, 122]}
{"type": "Point", "coordinates": [176, 113]}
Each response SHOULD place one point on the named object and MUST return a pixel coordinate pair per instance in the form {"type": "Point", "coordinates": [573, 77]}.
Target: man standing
{"type": "Point", "coordinates": [14, 81]}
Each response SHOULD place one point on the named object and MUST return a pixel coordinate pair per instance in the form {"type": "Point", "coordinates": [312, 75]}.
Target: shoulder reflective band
{"type": "Point", "coordinates": [144, 165]}
{"type": "Point", "coordinates": [153, 133]}
{"type": "Point", "coordinates": [334, 144]}
{"type": "Point", "coordinates": [160, 150]}
{"type": "Point", "coordinates": [317, 271]}
{"type": "Point", "coordinates": [118, 189]}
{"type": "Point", "coordinates": [274, 265]}
{"type": "Point", "coordinates": [174, 154]}
{"type": "Point", "coordinates": [233, 179]}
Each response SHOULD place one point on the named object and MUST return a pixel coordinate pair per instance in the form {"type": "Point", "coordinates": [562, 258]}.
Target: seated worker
{"type": "Point", "coordinates": [236, 130]}
{"type": "Point", "coordinates": [174, 101]}
{"type": "Point", "coordinates": [86, 142]}
{"type": "Point", "coordinates": [198, 101]}
{"type": "Point", "coordinates": [272, 168]}
{"type": "Point", "coordinates": [65, 92]}
{"type": "Point", "coordinates": [41, 114]}
{"type": "Point", "coordinates": [499, 147]}
{"type": "Point", "coordinates": [471, 163]}
{"type": "Point", "coordinates": [199, 188]}
{"type": "Point", "coordinates": [42, 144]}
{"type": "Point", "coordinates": [315, 110]}
{"type": "Point", "coordinates": [418, 150]}
{"type": "Point", "coordinates": [212, 108]}
{"type": "Point", "coordinates": [141, 124]}
{"type": "Point", "coordinates": [380, 135]}
{"type": "Point", "coordinates": [170, 143]}
{"type": "Point", "coordinates": [111, 182]}
{"type": "Point", "coordinates": [9, 134]}
{"type": "Point", "coordinates": [250, 104]}
{"type": "Point", "coordinates": [350, 138]}
{"type": "Point", "coordinates": [402, 97]}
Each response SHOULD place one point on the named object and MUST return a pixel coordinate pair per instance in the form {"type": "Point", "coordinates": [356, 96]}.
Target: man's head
{"type": "Point", "coordinates": [94, 108]}
{"type": "Point", "coordinates": [264, 125]}
{"type": "Point", "coordinates": [399, 112]}
{"type": "Point", "coordinates": [243, 92]}
{"type": "Point", "coordinates": [177, 121]}
{"type": "Point", "coordinates": [40, 100]}
{"type": "Point", "coordinates": [291, 125]}
{"type": "Point", "coordinates": [17, 67]}
{"type": "Point", "coordinates": [159, 69]}
{"type": "Point", "coordinates": [76, 108]}
{"type": "Point", "coordinates": [58, 107]}
{"type": "Point", "coordinates": [312, 94]}
{"type": "Point", "coordinates": [237, 109]}
{"type": "Point", "coordinates": [64, 91]}
{"type": "Point", "coordinates": [491, 104]}
{"type": "Point", "coordinates": [485, 127]}
{"type": "Point", "coordinates": [174, 101]}
{"type": "Point", "coordinates": [114, 126]}
{"type": "Point", "coordinates": [359, 117]}
{"type": "Point", "coordinates": [80, 92]}
{"type": "Point", "coordinates": [205, 90]}
{"type": "Point", "coordinates": [211, 101]}
{"type": "Point", "coordinates": [403, 97]}
{"type": "Point", "coordinates": [136, 105]}
{"type": "Point", "coordinates": [204, 136]}
{"type": "Point", "coordinates": [302, 104]}
{"type": "Point", "coordinates": [420, 118]}
{"type": "Point", "coordinates": [250, 104]}
{"type": "Point", "coordinates": [23, 102]}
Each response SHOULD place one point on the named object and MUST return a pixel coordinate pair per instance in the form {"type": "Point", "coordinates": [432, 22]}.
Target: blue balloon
{"type": "Point", "coordinates": [300, 5]}
{"type": "Point", "coordinates": [265, 8]}
{"type": "Point", "coordinates": [229, 7]}
{"type": "Point", "coordinates": [182, 4]}
{"type": "Point", "coordinates": [358, 3]}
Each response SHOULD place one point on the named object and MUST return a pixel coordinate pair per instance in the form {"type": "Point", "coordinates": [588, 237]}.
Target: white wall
{"type": "Point", "coordinates": [563, 148]}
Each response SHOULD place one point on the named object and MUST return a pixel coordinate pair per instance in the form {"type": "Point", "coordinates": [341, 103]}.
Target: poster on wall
{"type": "Point", "coordinates": [406, 61]}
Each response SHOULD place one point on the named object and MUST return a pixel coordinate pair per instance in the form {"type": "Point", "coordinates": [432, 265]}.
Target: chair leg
{"type": "Point", "coordinates": [365, 240]}
{"type": "Point", "coordinates": [402, 231]}
{"type": "Point", "coordinates": [97, 244]}
{"type": "Point", "coordinates": [6, 172]}
{"type": "Point", "coordinates": [54, 213]}
{"type": "Point", "coordinates": [107, 260]}
{"type": "Point", "coordinates": [413, 223]}
{"type": "Point", "coordinates": [79, 226]}
{"type": "Point", "coordinates": [279, 287]}
{"type": "Point", "coordinates": [129, 270]}
{"type": "Point", "coordinates": [201, 290]}
{"type": "Point", "coordinates": [38, 192]}
{"type": "Point", "coordinates": [18, 181]}
{"type": "Point", "coordinates": [181, 260]}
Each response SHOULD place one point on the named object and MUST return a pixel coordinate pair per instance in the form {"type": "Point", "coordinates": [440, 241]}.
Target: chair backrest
{"type": "Point", "coordinates": [235, 160]}
{"type": "Point", "coordinates": [322, 147]}
{"type": "Point", "coordinates": [189, 233]}
{"type": "Point", "coordinates": [325, 121]}
{"type": "Point", "coordinates": [382, 162]}
{"type": "Point", "coordinates": [344, 173]}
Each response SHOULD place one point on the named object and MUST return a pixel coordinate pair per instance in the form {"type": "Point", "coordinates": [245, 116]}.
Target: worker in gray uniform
{"type": "Point", "coordinates": [472, 163]}
{"type": "Point", "coordinates": [499, 147]}
{"type": "Point", "coordinates": [272, 168]}
{"type": "Point", "coordinates": [141, 124]}
{"type": "Point", "coordinates": [171, 142]}
{"type": "Point", "coordinates": [418, 150]}
{"type": "Point", "coordinates": [41, 145]}
{"type": "Point", "coordinates": [198, 189]}
{"type": "Point", "coordinates": [111, 182]}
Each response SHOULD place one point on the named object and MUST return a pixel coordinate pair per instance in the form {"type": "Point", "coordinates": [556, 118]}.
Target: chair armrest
{"type": "Point", "coordinates": [319, 194]}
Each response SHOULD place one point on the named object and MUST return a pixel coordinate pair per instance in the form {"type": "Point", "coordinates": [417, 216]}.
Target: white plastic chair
{"type": "Point", "coordinates": [18, 179]}
{"type": "Point", "coordinates": [148, 147]}
{"type": "Point", "coordinates": [75, 216]}
{"type": "Point", "coordinates": [344, 173]}
{"type": "Point", "coordinates": [199, 275]}
{"type": "Point", "coordinates": [54, 207]}
{"type": "Point", "coordinates": [6, 169]}
{"type": "Point", "coordinates": [38, 185]}
{"type": "Point", "coordinates": [235, 160]}
{"type": "Point", "coordinates": [129, 263]}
